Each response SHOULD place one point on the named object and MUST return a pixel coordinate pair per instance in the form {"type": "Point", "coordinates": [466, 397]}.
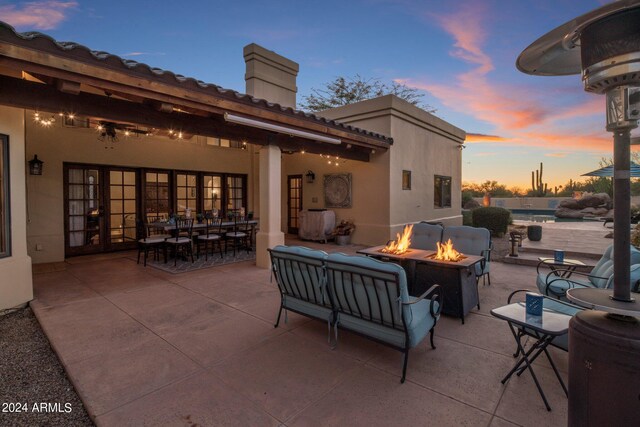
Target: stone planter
{"type": "Point", "coordinates": [343, 240]}
{"type": "Point", "coordinates": [534, 233]}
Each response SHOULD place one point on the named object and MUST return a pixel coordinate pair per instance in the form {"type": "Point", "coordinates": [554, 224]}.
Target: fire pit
{"type": "Point", "coordinates": [446, 252]}
{"type": "Point", "coordinates": [452, 270]}
{"type": "Point", "coordinates": [401, 244]}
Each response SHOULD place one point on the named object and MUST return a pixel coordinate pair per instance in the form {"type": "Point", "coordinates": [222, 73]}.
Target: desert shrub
{"type": "Point", "coordinates": [466, 218]}
{"type": "Point", "coordinates": [471, 204]}
{"type": "Point", "coordinates": [494, 219]}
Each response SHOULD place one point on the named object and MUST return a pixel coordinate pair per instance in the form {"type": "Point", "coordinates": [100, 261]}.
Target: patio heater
{"type": "Point", "coordinates": [604, 343]}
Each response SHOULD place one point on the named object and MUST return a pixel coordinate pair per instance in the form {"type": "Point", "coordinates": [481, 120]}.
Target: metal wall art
{"type": "Point", "coordinates": [337, 190]}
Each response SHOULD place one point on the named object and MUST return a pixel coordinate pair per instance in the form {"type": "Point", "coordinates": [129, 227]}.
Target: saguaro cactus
{"type": "Point", "coordinates": [537, 186]}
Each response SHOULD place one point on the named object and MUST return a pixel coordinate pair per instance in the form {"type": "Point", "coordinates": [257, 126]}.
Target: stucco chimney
{"type": "Point", "coordinates": [270, 76]}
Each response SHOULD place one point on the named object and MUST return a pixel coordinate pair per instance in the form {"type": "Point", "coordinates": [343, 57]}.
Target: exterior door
{"type": "Point", "coordinates": [101, 209]}
{"type": "Point", "coordinates": [122, 208]}
{"type": "Point", "coordinates": [84, 210]}
{"type": "Point", "coordinates": [294, 202]}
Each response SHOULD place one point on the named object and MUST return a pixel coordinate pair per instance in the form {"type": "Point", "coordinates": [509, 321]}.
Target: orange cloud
{"type": "Point", "coordinates": [42, 15]}
{"type": "Point", "coordinates": [481, 137]}
{"type": "Point", "coordinates": [519, 114]}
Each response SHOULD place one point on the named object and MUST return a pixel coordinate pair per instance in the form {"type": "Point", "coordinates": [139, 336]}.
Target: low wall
{"type": "Point", "coordinates": [533, 203]}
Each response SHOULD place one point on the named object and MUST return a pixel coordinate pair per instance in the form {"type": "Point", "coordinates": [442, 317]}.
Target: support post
{"type": "Point", "coordinates": [270, 234]}
{"type": "Point", "coordinates": [621, 215]}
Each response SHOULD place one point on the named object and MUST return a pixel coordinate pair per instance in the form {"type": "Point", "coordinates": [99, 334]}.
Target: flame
{"type": "Point", "coordinates": [402, 242]}
{"type": "Point", "coordinates": [447, 253]}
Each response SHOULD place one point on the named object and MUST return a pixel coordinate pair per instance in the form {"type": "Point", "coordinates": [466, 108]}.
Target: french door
{"type": "Point", "coordinates": [100, 208]}
{"type": "Point", "coordinates": [294, 202]}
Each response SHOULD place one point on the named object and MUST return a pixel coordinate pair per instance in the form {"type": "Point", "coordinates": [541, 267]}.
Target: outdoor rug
{"type": "Point", "coordinates": [199, 263]}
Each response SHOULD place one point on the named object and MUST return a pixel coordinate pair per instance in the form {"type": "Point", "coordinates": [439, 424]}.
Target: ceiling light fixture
{"type": "Point", "coordinates": [279, 129]}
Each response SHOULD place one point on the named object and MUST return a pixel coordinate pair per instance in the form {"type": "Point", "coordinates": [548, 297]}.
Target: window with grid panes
{"type": "Point", "coordinates": [157, 204]}
{"type": "Point", "coordinates": [186, 193]}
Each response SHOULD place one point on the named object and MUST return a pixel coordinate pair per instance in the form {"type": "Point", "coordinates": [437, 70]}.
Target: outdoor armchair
{"type": "Point", "coordinates": [370, 297]}
{"type": "Point", "coordinates": [601, 276]}
{"type": "Point", "coordinates": [300, 275]}
{"type": "Point", "coordinates": [472, 241]}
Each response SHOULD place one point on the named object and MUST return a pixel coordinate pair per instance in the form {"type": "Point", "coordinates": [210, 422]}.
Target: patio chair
{"type": "Point", "coordinates": [183, 240]}
{"type": "Point", "coordinates": [553, 284]}
{"type": "Point", "coordinates": [239, 237]}
{"type": "Point", "coordinates": [299, 273]}
{"type": "Point", "coordinates": [425, 235]}
{"type": "Point", "coordinates": [148, 242]}
{"type": "Point", "coordinates": [472, 241]}
{"type": "Point", "coordinates": [212, 234]}
{"type": "Point", "coordinates": [370, 298]}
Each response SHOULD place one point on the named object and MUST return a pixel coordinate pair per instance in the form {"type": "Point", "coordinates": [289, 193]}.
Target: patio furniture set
{"type": "Point", "coordinates": [181, 235]}
{"type": "Point", "coordinates": [397, 299]}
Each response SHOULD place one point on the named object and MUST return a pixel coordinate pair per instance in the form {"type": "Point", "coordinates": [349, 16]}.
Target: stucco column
{"type": "Point", "coordinates": [270, 234]}
{"type": "Point", "coordinates": [16, 286]}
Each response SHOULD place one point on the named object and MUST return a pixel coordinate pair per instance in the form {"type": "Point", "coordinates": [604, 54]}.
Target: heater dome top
{"type": "Point", "coordinates": [558, 52]}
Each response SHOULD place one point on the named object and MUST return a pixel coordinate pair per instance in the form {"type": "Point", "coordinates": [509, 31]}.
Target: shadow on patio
{"type": "Point", "coordinates": [147, 347]}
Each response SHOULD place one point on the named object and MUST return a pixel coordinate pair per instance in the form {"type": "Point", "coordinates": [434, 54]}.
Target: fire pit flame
{"type": "Point", "coordinates": [446, 252]}
{"type": "Point", "coordinates": [402, 242]}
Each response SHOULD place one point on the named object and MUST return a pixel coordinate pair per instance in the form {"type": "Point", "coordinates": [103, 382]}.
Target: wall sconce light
{"type": "Point", "coordinates": [310, 177]}
{"type": "Point", "coordinates": [35, 166]}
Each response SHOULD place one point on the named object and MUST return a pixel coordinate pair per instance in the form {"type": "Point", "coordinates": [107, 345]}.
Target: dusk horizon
{"type": "Point", "coordinates": [461, 59]}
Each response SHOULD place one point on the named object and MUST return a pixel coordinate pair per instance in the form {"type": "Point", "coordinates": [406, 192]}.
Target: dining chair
{"type": "Point", "coordinates": [239, 236]}
{"type": "Point", "coordinates": [148, 242]}
{"type": "Point", "coordinates": [212, 234]}
{"type": "Point", "coordinates": [155, 231]}
{"type": "Point", "coordinates": [182, 241]}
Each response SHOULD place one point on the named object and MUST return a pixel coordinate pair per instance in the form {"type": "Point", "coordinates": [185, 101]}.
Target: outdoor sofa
{"type": "Point", "coordinates": [355, 293]}
{"type": "Point", "coordinates": [556, 283]}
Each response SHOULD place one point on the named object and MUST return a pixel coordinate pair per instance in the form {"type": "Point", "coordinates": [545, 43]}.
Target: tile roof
{"type": "Point", "coordinates": [82, 53]}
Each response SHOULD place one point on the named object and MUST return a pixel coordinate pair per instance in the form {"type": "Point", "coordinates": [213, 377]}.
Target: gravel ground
{"type": "Point", "coordinates": [31, 373]}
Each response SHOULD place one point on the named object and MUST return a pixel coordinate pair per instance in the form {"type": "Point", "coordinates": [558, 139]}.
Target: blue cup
{"type": "Point", "coordinates": [558, 255]}
{"type": "Point", "coordinates": [534, 304]}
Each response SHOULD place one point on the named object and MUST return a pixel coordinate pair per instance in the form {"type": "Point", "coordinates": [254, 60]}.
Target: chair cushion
{"type": "Point", "coordinates": [558, 286]}
{"type": "Point", "coordinates": [468, 240]}
{"type": "Point", "coordinates": [308, 308]}
{"type": "Point", "coordinates": [179, 240]}
{"type": "Point", "coordinates": [236, 234]}
{"type": "Point", "coordinates": [604, 268]}
{"type": "Point", "coordinates": [151, 240]}
{"type": "Point", "coordinates": [421, 320]}
{"type": "Point", "coordinates": [209, 237]}
{"type": "Point", "coordinates": [426, 235]}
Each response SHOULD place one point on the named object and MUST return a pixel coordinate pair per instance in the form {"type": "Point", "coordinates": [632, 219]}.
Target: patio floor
{"type": "Point", "coordinates": [142, 346]}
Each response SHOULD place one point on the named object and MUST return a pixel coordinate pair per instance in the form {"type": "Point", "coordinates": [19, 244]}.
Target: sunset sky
{"type": "Point", "coordinates": [460, 54]}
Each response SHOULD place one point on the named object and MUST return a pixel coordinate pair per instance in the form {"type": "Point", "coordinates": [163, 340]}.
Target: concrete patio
{"type": "Point", "coordinates": [144, 347]}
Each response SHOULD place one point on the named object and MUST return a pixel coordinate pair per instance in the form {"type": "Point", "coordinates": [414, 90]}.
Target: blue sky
{"type": "Point", "coordinates": [459, 54]}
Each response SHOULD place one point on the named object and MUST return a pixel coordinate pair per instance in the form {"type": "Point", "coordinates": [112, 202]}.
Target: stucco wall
{"type": "Point", "coordinates": [15, 271]}
{"type": "Point", "coordinates": [426, 146]}
{"type": "Point", "coordinates": [370, 192]}
{"type": "Point", "coordinates": [423, 144]}
{"type": "Point", "coordinates": [65, 144]}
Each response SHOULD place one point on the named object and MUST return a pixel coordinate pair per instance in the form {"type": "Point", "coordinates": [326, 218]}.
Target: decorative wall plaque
{"type": "Point", "coordinates": [337, 190]}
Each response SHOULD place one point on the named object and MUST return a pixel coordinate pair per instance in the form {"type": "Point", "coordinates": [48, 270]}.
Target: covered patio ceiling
{"type": "Point", "coordinates": [39, 73]}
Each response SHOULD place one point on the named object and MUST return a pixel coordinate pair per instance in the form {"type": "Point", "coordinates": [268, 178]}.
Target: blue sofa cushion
{"type": "Point", "coordinates": [603, 270]}
{"type": "Point", "coordinates": [426, 235]}
{"type": "Point", "coordinates": [470, 241]}
{"type": "Point", "coordinates": [558, 286]}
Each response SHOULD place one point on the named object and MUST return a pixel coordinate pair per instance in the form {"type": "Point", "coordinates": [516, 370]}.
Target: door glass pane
{"type": "Point", "coordinates": [156, 195]}
{"type": "Point", "coordinates": [84, 215]}
{"type": "Point", "coordinates": [122, 206]}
